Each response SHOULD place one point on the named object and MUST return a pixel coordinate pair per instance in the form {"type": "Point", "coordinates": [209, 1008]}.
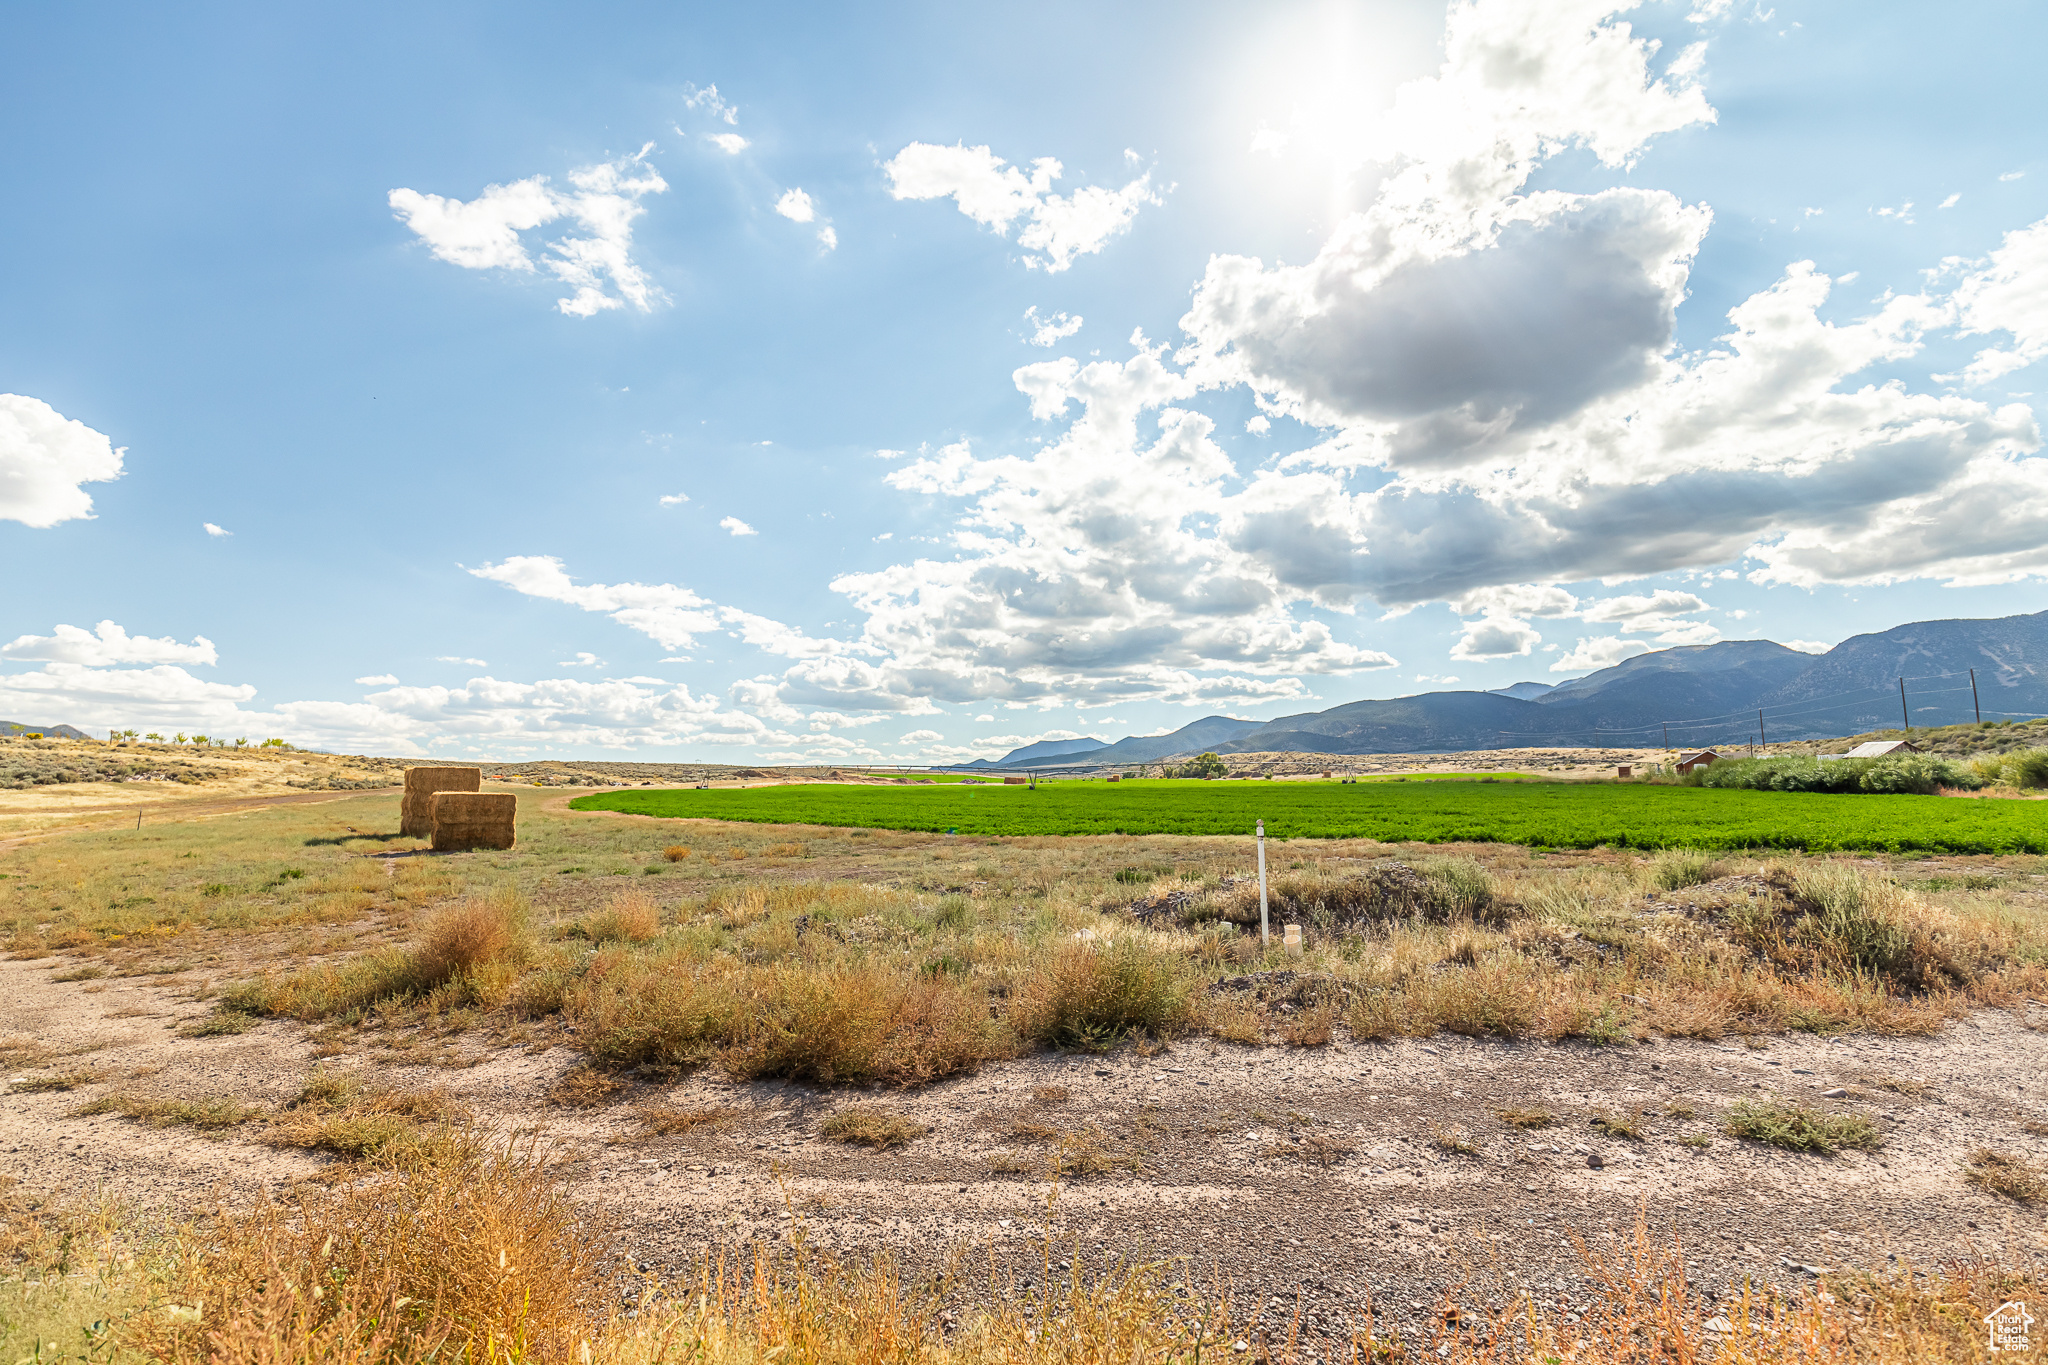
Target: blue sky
{"type": "Point", "coordinates": [1382, 345]}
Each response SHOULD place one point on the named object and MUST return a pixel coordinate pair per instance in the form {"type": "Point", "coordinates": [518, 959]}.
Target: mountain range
{"type": "Point", "coordinates": [1690, 696]}
{"type": "Point", "coordinates": [11, 728]}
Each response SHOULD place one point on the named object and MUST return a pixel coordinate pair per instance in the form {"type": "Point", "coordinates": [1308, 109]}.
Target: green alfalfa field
{"type": "Point", "coordinates": [1534, 814]}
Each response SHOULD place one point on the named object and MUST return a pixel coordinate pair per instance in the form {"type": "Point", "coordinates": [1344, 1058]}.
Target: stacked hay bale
{"type": "Point", "coordinates": [466, 820]}
{"type": "Point", "coordinates": [416, 810]}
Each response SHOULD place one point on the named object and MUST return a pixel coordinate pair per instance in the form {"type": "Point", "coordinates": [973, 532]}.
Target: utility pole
{"type": "Point", "coordinates": [1974, 704]}
{"type": "Point", "coordinates": [1908, 719]}
{"type": "Point", "coordinates": [1760, 728]}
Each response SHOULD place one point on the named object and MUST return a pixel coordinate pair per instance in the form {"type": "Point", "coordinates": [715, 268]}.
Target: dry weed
{"type": "Point", "coordinates": [2016, 1178]}
{"type": "Point", "coordinates": [660, 1120]}
{"type": "Point", "coordinates": [872, 1125]}
{"type": "Point", "coordinates": [583, 1087]}
{"type": "Point", "coordinates": [630, 917]}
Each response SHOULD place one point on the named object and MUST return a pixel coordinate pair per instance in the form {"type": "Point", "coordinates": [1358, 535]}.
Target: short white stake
{"type": "Point", "coordinates": [1265, 932]}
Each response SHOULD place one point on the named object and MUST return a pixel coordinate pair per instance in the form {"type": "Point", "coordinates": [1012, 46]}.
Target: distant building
{"type": "Point", "coordinates": [1698, 758]}
{"type": "Point", "coordinates": [1880, 748]}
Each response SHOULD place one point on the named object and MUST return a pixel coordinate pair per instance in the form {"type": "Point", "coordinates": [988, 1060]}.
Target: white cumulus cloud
{"type": "Point", "coordinates": [737, 527]}
{"type": "Point", "coordinates": [378, 680]}
{"type": "Point", "coordinates": [45, 457]}
{"type": "Point", "coordinates": [595, 261]}
{"type": "Point", "coordinates": [1052, 230]}
{"type": "Point", "coordinates": [796, 206]}
{"type": "Point", "coordinates": [1597, 653]}
{"type": "Point", "coordinates": [105, 645]}
{"type": "Point", "coordinates": [732, 144]}
{"type": "Point", "coordinates": [2008, 293]}
{"type": "Point", "coordinates": [217, 531]}
{"type": "Point", "coordinates": [1048, 331]}
{"type": "Point", "coordinates": [1496, 637]}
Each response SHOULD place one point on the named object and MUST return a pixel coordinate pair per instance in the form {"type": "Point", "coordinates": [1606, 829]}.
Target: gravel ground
{"type": "Point", "coordinates": [1305, 1179]}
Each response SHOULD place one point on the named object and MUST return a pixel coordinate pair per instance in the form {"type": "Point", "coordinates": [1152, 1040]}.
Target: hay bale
{"type": "Point", "coordinates": [465, 820]}
{"type": "Point", "coordinates": [416, 809]}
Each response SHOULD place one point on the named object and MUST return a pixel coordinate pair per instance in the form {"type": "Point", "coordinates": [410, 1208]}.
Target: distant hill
{"type": "Point", "coordinates": [1706, 694]}
{"type": "Point", "coordinates": [1192, 738]}
{"type": "Point", "coordinates": [1860, 675]}
{"type": "Point", "coordinates": [8, 727]}
{"type": "Point", "coordinates": [1734, 671]}
{"type": "Point", "coordinates": [1044, 751]}
{"type": "Point", "coordinates": [1688, 696]}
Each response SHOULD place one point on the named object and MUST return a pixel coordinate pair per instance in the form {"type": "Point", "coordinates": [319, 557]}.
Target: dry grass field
{"type": "Point", "coordinates": [637, 1089]}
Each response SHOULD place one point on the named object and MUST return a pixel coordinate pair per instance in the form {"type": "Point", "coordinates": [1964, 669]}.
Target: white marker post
{"type": "Point", "coordinates": [1265, 933]}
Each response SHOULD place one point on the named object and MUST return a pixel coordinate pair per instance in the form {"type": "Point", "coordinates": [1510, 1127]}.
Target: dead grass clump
{"type": "Point", "coordinates": [469, 938]}
{"type": "Point", "coordinates": [62, 1080]}
{"type": "Point", "coordinates": [1437, 890]}
{"type": "Point", "coordinates": [630, 917]}
{"type": "Point", "coordinates": [583, 1087]}
{"type": "Point", "coordinates": [1526, 1118]}
{"type": "Point", "coordinates": [1310, 1027]}
{"type": "Point", "coordinates": [1454, 1140]}
{"type": "Point", "coordinates": [660, 1007]}
{"type": "Point", "coordinates": [1082, 1151]}
{"type": "Point", "coordinates": [1836, 919]}
{"type": "Point", "coordinates": [475, 1257]}
{"type": "Point", "coordinates": [468, 953]}
{"type": "Point", "coordinates": [1619, 1125]}
{"type": "Point", "coordinates": [829, 1024]}
{"type": "Point", "coordinates": [1088, 996]}
{"type": "Point", "coordinates": [1797, 1128]}
{"type": "Point", "coordinates": [1494, 1000]}
{"type": "Point", "coordinates": [675, 853]}
{"type": "Point", "coordinates": [1999, 1172]}
{"type": "Point", "coordinates": [661, 1120]}
{"type": "Point", "coordinates": [1677, 868]}
{"type": "Point", "coordinates": [1051, 1094]}
{"type": "Point", "coordinates": [872, 1125]}
{"type": "Point", "coordinates": [340, 1113]}
{"type": "Point", "coordinates": [865, 1025]}
{"type": "Point", "coordinates": [208, 1115]}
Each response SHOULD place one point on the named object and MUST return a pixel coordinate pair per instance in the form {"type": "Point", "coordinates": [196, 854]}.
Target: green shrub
{"type": "Point", "coordinates": [1916, 774]}
{"type": "Point", "coordinates": [1797, 1128]}
{"type": "Point", "coordinates": [2026, 767]}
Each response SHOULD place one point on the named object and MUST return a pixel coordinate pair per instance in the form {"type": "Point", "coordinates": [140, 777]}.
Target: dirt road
{"type": "Point", "coordinates": [1319, 1174]}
